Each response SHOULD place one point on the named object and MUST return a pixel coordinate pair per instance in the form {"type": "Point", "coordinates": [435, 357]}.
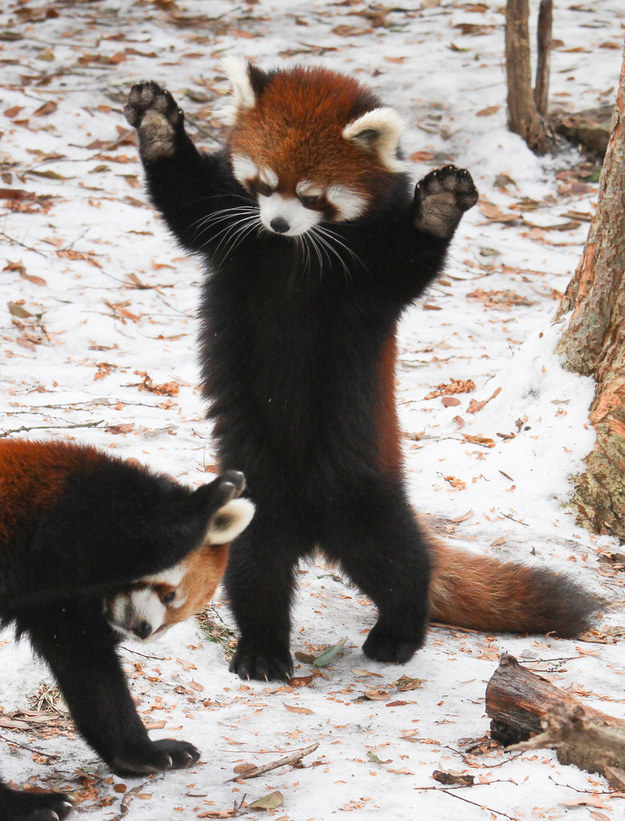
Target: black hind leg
{"type": "Point", "coordinates": [79, 646]}
{"type": "Point", "coordinates": [378, 543]}
{"type": "Point", "coordinates": [17, 805]}
{"type": "Point", "coordinates": [259, 581]}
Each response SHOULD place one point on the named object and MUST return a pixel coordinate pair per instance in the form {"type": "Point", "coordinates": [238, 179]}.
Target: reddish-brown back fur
{"type": "Point", "coordinates": [33, 476]}
{"type": "Point", "coordinates": [296, 127]}
{"type": "Point", "coordinates": [389, 442]}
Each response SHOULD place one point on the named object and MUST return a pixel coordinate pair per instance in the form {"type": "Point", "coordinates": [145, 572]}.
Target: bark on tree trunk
{"type": "Point", "coordinates": [594, 341]}
{"type": "Point", "coordinates": [523, 116]}
{"type": "Point", "coordinates": [543, 58]}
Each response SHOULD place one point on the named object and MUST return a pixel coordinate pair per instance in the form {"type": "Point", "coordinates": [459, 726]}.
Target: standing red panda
{"type": "Point", "coordinates": [77, 526]}
{"type": "Point", "coordinates": [315, 242]}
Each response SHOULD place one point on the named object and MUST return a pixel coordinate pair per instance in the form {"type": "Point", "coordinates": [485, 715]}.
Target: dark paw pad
{"type": "Point", "coordinates": [253, 664]}
{"type": "Point", "coordinates": [149, 96]}
{"type": "Point", "coordinates": [157, 118]}
{"type": "Point", "coordinates": [441, 198]}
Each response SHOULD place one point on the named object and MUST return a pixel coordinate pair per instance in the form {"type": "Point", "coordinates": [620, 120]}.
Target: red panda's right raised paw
{"type": "Point", "coordinates": [157, 118]}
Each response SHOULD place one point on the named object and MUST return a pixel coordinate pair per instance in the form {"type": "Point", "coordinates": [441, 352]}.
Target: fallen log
{"type": "Point", "coordinates": [521, 704]}
{"type": "Point", "coordinates": [589, 129]}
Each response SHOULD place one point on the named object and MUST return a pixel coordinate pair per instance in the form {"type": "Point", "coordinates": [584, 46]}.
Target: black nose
{"type": "Point", "coordinates": [142, 630]}
{"type": "Point", "coordinates": [279, 225]}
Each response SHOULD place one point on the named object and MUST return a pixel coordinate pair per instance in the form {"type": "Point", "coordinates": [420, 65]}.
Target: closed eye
{"type": "Point", "coordinates": [167, 598]}
{"type": "Point", "coordinates": [310, 200]}
{"type": "Point", "coordinates": [264, 189]}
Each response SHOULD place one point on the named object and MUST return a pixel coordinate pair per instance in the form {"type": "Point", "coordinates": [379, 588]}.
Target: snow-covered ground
{"type": "Point", "coordinates": [97, 329]}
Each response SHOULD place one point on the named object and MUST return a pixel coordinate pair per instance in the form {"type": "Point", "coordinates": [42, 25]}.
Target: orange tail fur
{"type": "Point", "coordinates": [476, 591]}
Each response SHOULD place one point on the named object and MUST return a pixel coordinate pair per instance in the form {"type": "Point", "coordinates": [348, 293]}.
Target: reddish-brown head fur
{"type": "Point", "coordinates": [312, 139]}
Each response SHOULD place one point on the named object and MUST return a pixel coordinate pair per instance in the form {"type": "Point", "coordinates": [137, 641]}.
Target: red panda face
{"type": "Point", "coordinates": [310, 145]}
{"type": "Point", "coordinates": [151, 605]}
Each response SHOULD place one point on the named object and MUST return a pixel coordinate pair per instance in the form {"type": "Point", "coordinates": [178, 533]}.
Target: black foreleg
{"type": "Point", "coordinates": [17, 805]}
{"type": "Point", "coordinates": [259, 581]}
{"type": "Point", "coordinates": [79, 646]}
{"type": "Point", "coordinates": [377, 541]}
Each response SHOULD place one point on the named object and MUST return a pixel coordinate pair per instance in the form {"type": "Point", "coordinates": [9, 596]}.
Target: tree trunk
{"type": "Point", "coordinates": [543, 56]}
{"type": "Point", "coordinates": [594, 341]}
{"type": "Point", "coordinates": [523, 116]}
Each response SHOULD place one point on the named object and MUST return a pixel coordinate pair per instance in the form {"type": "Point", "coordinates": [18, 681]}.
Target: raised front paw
{"type": "Point", "coordinates": [441, 198]}
{"type": "Point", "coordinates": [157, 118]}
{"type": "Point", "coordinates": [249, 663]}
{"type": "Point", "coordinates": [164, 754]}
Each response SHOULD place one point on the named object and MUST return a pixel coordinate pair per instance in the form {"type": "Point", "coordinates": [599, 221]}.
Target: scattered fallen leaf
{"type": "Point", "coordinates": [451, 777]}
{"type": "Point", "coordinates": [406, 683]}
{"type": "Point", "coordinates": [479, 440]}
{"type": "Point", "coordinates": [486, 112]}
{"type": "Point", "coordinates": [305, 711]}
{"type": "Point", "coordinates": [475, 406]}
{"type": "Point", "coordinates": [268, 802]}
{"type": "Point", "coordinates": [455, 386]}
{"type": "Point", "coordinates": [330, 653]}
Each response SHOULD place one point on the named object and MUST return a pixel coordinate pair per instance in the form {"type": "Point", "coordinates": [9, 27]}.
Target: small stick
{"type": "Point", "coordinates": [293, 758]}
{"type": "Point", "coordinates": [30, 749]}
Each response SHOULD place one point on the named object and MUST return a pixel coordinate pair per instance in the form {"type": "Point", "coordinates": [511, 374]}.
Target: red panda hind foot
{"type": "Point", "coordinates": [441, 198]}
{"type": "Point", "coordinates": [385, 645]}
{"type": "Point", "coordinates": [32, 806]}
{"type": "Point", "coordinates": [163, 754]}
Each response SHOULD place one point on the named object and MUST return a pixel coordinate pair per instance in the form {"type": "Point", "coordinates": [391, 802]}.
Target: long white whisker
{"type": "Point", "coordinates": [226, 215]}
{"type": "Point", "coordinates": [240, 234]}
{"type": "Point", "coordinates": [232, 229]}
{"type": "Point", "coordinates": [312, 239]}
{"type": "Point", "coordinates": [325, 241]}
{"type": "Point", "coordinates": [233, 234]}
{"type": "Point", "coordinates": [324, 229]}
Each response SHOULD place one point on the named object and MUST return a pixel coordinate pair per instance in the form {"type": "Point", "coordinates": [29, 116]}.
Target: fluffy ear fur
{"type": "Point", "coordinates": [238, 71]}
{"type": "Point", "coordinates": [378, 131]}
{"type": "Point", "coordinates": [247, 81]}
{"type": "Point", "coordinates": [229, 521]}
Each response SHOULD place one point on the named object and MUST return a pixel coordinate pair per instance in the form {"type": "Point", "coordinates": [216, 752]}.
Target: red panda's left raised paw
{"type": "Point", "coordinates": [441, 198]}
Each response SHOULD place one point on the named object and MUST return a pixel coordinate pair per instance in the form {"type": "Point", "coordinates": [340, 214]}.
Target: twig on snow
{"type": "Point", "coordinates": [293, 758]}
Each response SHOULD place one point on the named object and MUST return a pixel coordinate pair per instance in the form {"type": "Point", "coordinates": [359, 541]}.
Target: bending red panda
{"type": "Point", "coordinates": [151, 605]}
{"type": "Point", "coordinates": [315, 242]}
{"type": "Point", "coordinates": [77, 526]}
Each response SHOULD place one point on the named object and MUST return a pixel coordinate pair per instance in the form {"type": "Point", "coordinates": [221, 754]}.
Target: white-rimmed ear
{"type": "Point", "coordinates": [243, 97]}
{"type": "Point", "coordinates": [378, 131]}
{"type": "Point", "coordinates": [229, 521]}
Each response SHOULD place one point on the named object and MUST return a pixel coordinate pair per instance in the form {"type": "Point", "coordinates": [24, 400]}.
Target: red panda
{"type": "Point", "coordinates": [315, 241]}
{"type": "Point", "coordinates": [149, 606]}
{"type": "Point", "coordinates": [77, 527]}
